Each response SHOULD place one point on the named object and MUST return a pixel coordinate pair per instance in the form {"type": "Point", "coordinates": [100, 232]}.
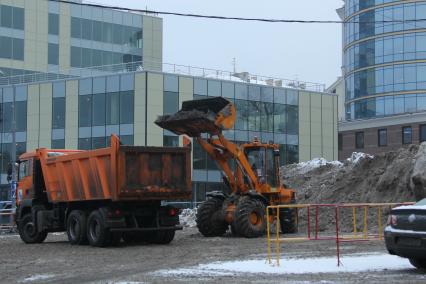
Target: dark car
{"type": "Point", "coordinates": [405, 234]}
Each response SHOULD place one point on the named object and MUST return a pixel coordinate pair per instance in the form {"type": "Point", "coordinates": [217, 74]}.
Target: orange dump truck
{"type": "Point", "coordinates": [102, 196]}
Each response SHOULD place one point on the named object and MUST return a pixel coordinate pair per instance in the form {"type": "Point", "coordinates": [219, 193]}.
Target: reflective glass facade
{"type": "Point", "coordinates": [385, 62]}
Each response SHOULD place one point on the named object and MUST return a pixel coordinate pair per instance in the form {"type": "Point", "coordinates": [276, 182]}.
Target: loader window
{"type": "Point", "coordinates": [256, 158]}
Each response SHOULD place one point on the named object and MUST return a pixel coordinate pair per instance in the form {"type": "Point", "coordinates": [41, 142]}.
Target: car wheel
{"type": "Point", "coordinates": [418, 263]}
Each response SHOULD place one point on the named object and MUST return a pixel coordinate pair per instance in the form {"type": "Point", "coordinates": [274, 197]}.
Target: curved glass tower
{"type": "Point", "coordinates": [384, 58]}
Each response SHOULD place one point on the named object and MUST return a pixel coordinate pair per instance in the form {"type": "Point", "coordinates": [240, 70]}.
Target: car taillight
{"type": "Point", "coordinates": [392, 220]}
{"type": "Point", "coordinates": [172, 212]}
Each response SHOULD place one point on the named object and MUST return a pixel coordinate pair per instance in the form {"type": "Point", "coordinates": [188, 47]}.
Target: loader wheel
{"type": "Point", "coordinates": [28, 231]}
{"type": "Point", "coordinates": [97, 234]}
{"type": "Point", "coordinates": [209, 222]}
{"type": "Point", "coordinates": [288, 220]}
{"type": "Point", "coordinates": [77, 227]}
{"type": "Point", "coordinates": [250, 220]}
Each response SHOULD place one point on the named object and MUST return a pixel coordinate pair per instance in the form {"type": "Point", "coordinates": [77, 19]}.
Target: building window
{"type": "Point", "coordinates": [126, 107]}
{"type": "Point", "coordinates": [359, 140]}
{"type": "Point", "coordinates": [422, 133]}
{"type": "Point", "coordinates": [340, 142]}
{"type": "Point", "coordinates": [85, 143]}
{"type": "Point", "coordinates": [53, 54]}
{"type": "Point", "coordinates": [53, 24]}
{"type": "Point", "coordinates": [113, 108]}
{"type": "Point", "coordinates": [382, 137]}
{"type": "Point", "coordinates": [98, 110]}
{"type": "Point", "coordinates": [407, 135]}
{"type": "Point", "coordinates": [58, 144]}
{"type": "Point", "coordinates": [11, 48]}
{"type": "Point", "coordinates": [12, 17]}
{"type": "Point", "coordinates": [171, 102]}
{"type": "Point", "coordinates": [171, 141]}
{"type": "Point", "coordinates": [85, 111]}
{"type": "Point", "coordinates": [58, 113]}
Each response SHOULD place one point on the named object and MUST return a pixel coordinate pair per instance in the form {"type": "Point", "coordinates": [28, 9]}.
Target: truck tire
{"type": "Point", "coordinates": [250, 219]}
{"type": "Point", "coordinates": [208, 220]}
{"type": "Point", "coordinates": [77, 227]}
{"type": "Point", "coordinates": [28, 231]}
{"type": "Point", "coordinates": [97, 234]}
{"type": "Point", "coordinates": [418, 263]}
{"type": "Point", "coordinates": [159, 237]}
{"type": "Point", "coordinates": [288, 220]}
{"type": "Point", "coordinates": [132, 237]}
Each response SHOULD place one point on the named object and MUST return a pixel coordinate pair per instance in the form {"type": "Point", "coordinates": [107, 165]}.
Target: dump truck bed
{"type": "Point", "coordinates": [117, 173]}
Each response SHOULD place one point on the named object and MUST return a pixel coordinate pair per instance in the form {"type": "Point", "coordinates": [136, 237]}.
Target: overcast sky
{"type": "Point", "coordinates": [309, 52]}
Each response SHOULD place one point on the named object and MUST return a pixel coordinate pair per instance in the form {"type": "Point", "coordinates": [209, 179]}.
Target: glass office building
{"type": "Point", "coordinates": [384, 58]}
{"type": "Point", "coordinates": [41, 36]}
{"type": "Point", "coordinates": [384, 68]}
{"type": "Point", "coordinates": [82, 113]}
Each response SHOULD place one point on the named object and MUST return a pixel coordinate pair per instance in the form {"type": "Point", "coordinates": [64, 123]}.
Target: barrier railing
{"type": "Point", "coordinates": [339, 235]}
{"type": "Point", "coordinates": [7, 221]}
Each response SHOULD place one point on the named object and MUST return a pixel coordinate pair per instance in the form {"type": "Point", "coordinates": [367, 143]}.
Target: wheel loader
{"type": "Point", "coordinates": [253, 178]}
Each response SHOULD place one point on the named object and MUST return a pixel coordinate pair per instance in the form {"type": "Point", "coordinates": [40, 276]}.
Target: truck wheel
{"type": "Point", "coordinates": [132, 237]}
{"type": "Point", "coordinates": [28, 231]}
{"type": "Point", "coordinates": [163, 237]}
{"type": "Point", "coordinates": [115, 238]}
{"type": "Point", "coordinates": [77, 227]}
{"type": "Point", "coordinates": [208, 220]}
{"type": "Point", "coordinates": [418, 263]}
{"type": "Point", "coordinates": [288, 220]}
{"type": "Point", "coordinates": [97, 234]}
{"type": "Point", "coordinates": [250, 220]}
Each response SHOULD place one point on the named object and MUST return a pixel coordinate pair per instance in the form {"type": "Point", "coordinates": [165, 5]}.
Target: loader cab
{"type": "Point", "coordinates": [263, 161]}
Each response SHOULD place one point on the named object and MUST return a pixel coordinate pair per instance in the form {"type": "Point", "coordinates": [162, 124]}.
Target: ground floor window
{"type": "Point", "coordinates": [382, 137]}
{"type": "Point", "coordinates": [422, 133]}
{"type": "Point", "coordinates": [359, 140]}
{"type": "Point", "coordinates": [407, 135]}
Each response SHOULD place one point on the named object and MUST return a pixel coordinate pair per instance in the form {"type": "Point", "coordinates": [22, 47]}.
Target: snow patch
{"type": "Point", "coordinates": [356, 157]}
{"type": "Point", "coordinates": [187, 217]}
{"type": "Point", "coordinates": [354, 263]}
{"type": "Point", "coordinates": [37, 277]}
{"type": "Point", "coordinates": [411, 207]}
{"type": "Point", "coordinates": [308, 166]}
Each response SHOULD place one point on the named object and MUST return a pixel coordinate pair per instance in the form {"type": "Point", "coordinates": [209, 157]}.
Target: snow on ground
{"type": "Point", "coordinates": [187, 217]}
{"type": "Point", "coordinates": [37, 277]}
{"type": "Point", "coordinates": [354, 263]}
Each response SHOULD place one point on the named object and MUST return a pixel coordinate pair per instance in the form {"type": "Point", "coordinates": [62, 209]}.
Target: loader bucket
{"type": "Point", "coordinates": [210, 116]}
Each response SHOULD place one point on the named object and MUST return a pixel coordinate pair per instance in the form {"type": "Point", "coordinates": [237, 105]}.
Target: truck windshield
{"type": "Point", "coordinates": [23, 169]}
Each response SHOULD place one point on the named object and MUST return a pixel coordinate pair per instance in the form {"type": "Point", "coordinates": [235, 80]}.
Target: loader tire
{"type": "Point", "coordinates": [250, 219]}
{"type": "Point", "coordinates": [209, 221]}
{"type": "Point", "coordinates": [28, 230]}
{"type": "Point", "coordinates": [97, 233]}
{"type": "Point", "coordinates": [288, 220]}
{"type": "Point", "coordinates": [77, 227]}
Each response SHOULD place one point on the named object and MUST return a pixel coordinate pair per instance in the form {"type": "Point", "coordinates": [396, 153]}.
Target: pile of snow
{"type": "Point", "coordinates": [308, 166]}
{"type": "Point", "coordinates": [37, 277]}
{"type": "Point", "coordinates": [356, 157]}
{"type": "Point", "coordinates": [354, 263]}
{"type": "Point", "coordinates": [187, 217]}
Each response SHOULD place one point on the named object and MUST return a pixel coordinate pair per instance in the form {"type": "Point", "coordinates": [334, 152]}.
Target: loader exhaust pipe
{"type": "Point", "coordinates": [211, 116]}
